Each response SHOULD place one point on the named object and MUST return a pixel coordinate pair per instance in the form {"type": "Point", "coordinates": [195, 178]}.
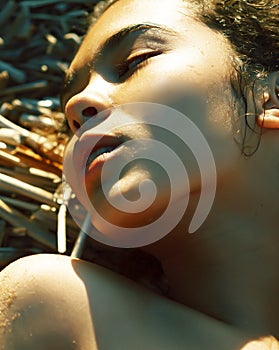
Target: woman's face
{"type": "Point", "coordinates": [151, 52]}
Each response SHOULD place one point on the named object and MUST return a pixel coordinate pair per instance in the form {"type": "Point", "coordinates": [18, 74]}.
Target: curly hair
{"type": "Point", "coordinates": [253, 30]}
{"type": "Point", "coordinates": [251, 27]}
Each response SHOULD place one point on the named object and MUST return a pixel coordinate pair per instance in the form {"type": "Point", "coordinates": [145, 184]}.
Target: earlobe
{"type": "Point", "coordinates": [268, 118]}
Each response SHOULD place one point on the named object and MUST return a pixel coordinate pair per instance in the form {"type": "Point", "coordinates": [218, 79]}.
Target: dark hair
{"type": "Point", "coordinates": [252, 28]}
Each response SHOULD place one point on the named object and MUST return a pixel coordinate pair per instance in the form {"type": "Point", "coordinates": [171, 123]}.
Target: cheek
{"type": "Point", "coordinates": [171, 78]}
{"type": "Point", "coordinates": [202, 93]}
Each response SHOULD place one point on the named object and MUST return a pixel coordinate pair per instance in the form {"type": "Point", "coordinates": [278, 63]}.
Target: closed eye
{"type": "Point", "coordinates": [133, 63]}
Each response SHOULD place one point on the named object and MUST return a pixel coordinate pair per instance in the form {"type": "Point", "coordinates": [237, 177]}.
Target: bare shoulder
{"type": "Point", "coordinates": [56, 302]}
{"type": "Point", "coordinates": [43, 306]}
{"type": "Point", "coordinates": [264, 343]}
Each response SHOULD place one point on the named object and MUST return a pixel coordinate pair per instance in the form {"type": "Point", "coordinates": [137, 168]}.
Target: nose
{"type": "Point", "coordinates": [85, 105]}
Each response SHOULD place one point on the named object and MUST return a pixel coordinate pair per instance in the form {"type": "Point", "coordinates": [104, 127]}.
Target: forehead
{"type": "Point", "coordinates": [178, 16]}
{"type": "Point", "coordinates": [123, 13]}
{"type": "Point", "coordinates": [126, 12]}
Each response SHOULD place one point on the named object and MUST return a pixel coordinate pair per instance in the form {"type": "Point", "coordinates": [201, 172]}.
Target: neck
{"type": "Point", "coordinates": [229, 268]}
{"type": "Point", "coordinates": [230, 275]}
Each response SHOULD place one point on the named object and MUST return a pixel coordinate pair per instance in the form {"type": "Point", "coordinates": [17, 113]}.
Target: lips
{"type": "Point", "coordinates": [95, 154]}
{"type": "Point", "coordinates": [105, 145]}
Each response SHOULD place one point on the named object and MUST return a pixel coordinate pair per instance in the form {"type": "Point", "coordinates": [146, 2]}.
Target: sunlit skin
{"type": "Point", "coordinates": [197, 79]}
{"type": "Point", "coordinates": [192, 78]}
{"type": "Point", "coordinates": [224, 276]}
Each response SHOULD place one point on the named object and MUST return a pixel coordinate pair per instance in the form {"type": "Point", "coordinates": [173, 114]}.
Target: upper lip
{"type": "Point", "coordinates": [99, 141]}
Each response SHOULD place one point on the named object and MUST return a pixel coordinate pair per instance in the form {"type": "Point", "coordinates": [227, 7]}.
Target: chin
{"type": "Point", "coordinates": [112, 215]}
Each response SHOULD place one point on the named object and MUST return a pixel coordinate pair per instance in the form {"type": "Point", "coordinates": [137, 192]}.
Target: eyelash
{"type": "Point", "coordinates": [124, 68]}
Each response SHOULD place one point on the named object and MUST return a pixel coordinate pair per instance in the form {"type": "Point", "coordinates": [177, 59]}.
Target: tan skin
{"type": "Point", "coordinates": [225, 276]}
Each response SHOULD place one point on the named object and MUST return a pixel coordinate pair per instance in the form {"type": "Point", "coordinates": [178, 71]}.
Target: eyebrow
{"type": "Point", "coordinates": [116, 39]}
{"type": "Point", "coordinates": [110, 43]}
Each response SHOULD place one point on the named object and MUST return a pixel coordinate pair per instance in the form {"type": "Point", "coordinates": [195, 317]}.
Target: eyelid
{"type": "Point", "coordinates": [123, 67]}
{"type": "Point", "coordinates": [140, 52]}
{"type": "Point", "coordinates": [142, 56]}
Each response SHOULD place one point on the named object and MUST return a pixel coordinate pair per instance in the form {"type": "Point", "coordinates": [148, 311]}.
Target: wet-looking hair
{"type": "Point", "coordinates": [252, 28]}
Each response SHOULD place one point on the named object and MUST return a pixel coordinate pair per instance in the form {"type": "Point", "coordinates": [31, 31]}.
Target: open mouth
{"type": "Point", "coordinates": [102, 149]}
{"type": "Point", "coordinates": [95, 154]}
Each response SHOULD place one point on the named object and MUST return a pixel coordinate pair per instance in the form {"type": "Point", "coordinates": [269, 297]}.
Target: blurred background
{"type": "Point", "coordinates": [38, 39]}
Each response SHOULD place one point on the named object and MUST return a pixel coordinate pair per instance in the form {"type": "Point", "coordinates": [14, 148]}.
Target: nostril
{"type": "Point", "coordinates": [89, 112]}
{"type": "Point", "coordinates": [76, 125]}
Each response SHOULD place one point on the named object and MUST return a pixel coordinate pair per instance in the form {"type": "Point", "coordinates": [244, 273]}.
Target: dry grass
{"type": "Point", "coordinates": [38, 39]}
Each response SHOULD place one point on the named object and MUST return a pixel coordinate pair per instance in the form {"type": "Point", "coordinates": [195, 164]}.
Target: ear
{"type": "Point", "coordinates": [268, 117]}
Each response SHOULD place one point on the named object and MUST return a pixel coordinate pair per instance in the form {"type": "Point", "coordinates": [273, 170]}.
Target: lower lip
{"type": "Point", "coordinates": [98, 161]}
{"type": "Point", "coordinates": [94, 168]}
